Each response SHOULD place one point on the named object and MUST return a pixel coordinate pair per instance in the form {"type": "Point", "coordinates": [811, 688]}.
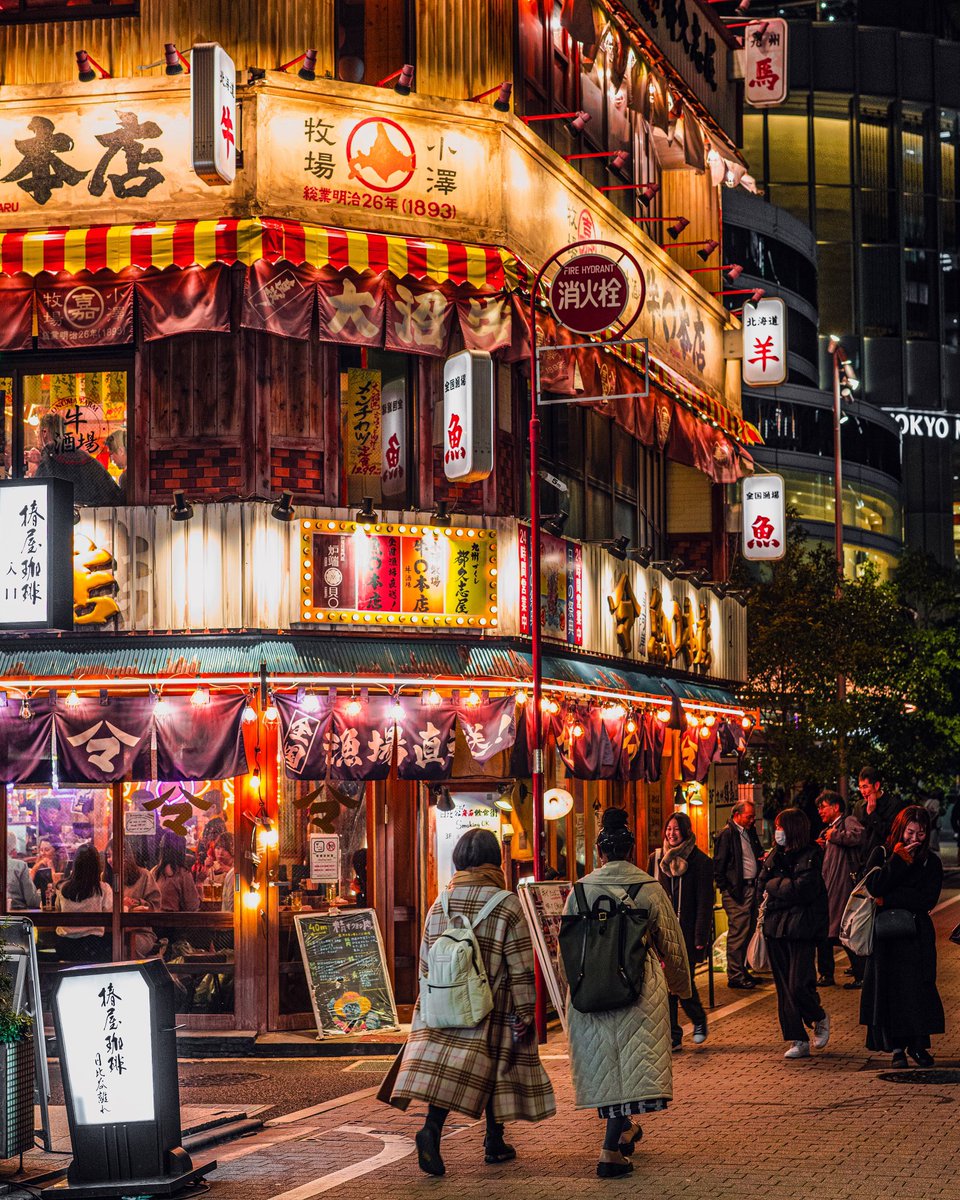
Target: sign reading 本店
{"type": "Point", "coordinates": [397, 574]}
{"type": "Point", "coordinates": [765, 56]}
{"type": "Point", "coordinates": [36, 554]}
{"type": "Point", "coordinates": [765, 342]}
{"type": "Point", "coordinates": [468, 415]}
{"type": "Point", "coordinates": [213, 111]}
{"type": "Point", "coordinates": [764, 518]}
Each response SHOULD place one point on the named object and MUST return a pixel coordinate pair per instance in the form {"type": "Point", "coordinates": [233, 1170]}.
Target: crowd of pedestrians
{"type": "Point", "coordinates": [630, 941]}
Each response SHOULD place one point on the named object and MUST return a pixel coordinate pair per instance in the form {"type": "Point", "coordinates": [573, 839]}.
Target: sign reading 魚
{"type": "Point", "coordinates": [764, 517]}
{"type": "Point", "coordinates": [36, 555]}
{"type": "Point", "coordinates": [589, 293]}
{"type": "Point", "coordinates": [397, 575]}
{"type": "Point", "coordinates": [765, 342]}
{"type": "Point", "coordinates": [765, 55]}
{"type": "Point", "coordinates": [325, 858]}
{"type": "Point", "coordinates": [468, 416]}
{"type": "Point", "coordinates": [213, 110]}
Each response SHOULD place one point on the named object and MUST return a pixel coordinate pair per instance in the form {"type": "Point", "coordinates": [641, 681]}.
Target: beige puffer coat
{"type": "Point", "coordinates": [625, 1054]}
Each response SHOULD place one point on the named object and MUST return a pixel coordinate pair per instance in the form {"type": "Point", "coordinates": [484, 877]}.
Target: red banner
{"type": "Point", "coordinates": [486, 322]}
{"type": "Point", "coordinates": [279, 298]}
{"type": "Point", "coordinates": [418, 318]}
{"type": "Point", "coordinates": [489, 728]}
{"type": "Point", "coordinates": [25, 744]}
{"type": "Point", "coordinates": [187, 300]}
{"type": "Point", "coordinates": [426, 739]}
{"type": "Point", "coordinates": [351, 307]}
{"type": "Point", "coordinates": [75, 311]}
{"type": "Point", "coordinates": [16, 312]}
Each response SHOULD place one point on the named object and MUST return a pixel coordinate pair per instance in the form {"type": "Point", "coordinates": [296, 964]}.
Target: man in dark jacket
{"type": "Point", "coordinates": [876, 810]}
{"type": "Point", "coordinates": [842, 841]}
{"type": "Point", "coordinates": [736, 865]}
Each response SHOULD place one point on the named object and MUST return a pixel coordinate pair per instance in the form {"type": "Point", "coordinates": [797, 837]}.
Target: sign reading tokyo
{"type": "Point", "coordinates": [764, 518]}
{"type": "Point", "coordinates": [36, 554]}
{"type": "Point", "coordinates": [945, 427]}
{"type": "Point", "coordinates": [765, 342]}
{"type": "Point", "coordinates": [589, 293]}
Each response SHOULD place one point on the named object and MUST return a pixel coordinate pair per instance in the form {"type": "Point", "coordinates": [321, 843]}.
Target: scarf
{"type": "Point", "coordinates": [485, 876]}
{"type": "Point", "coordinates": [674, 861]}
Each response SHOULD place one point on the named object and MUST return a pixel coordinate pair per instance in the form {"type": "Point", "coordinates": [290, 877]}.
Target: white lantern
{"type": "Point", "coordinates": [557, 802]}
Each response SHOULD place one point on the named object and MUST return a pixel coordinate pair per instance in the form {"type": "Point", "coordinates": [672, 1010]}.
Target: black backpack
{"type": "Point", "coordinates": [604, 950]}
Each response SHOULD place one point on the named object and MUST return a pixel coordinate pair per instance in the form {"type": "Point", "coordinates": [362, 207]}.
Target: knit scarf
{"type": "Point", "coordinates": [674, 861]}
{"type": "Point", "coordinates": [485, 876]}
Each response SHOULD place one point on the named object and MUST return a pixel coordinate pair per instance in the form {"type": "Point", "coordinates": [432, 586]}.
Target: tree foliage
{"type": "Point", "coordinates": [897, 645]}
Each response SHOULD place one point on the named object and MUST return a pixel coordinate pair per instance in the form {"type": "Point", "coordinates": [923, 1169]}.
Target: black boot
{"type": "Point", "coordinates": [428, 1148]}
{"type": "Point", "coordinates": [495, 1149]}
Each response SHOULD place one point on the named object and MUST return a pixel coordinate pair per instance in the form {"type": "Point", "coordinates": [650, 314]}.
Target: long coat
{"type": "Point", "coordinates": [841, 862]}
{"type": "Point", "coordinates": [900, 1004]}
{"type": "Point", "coordinates": [463, 1068]}
{"type": "Point", "coordinates": [626, 1054]}
{"type": "Point", "coordinates": [691, 897]}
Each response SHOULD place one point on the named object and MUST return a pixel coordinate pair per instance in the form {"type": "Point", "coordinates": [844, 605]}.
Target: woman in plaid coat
{"type": "Point", "coordinates": [492, 1069]}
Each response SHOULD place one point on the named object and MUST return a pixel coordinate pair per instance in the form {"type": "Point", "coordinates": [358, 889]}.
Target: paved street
{"type": "Point", "coordinates": [744, 1124]}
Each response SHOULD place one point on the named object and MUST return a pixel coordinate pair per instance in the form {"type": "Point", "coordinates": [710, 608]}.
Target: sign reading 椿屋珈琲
{"type": "Point", "coordinates": [36, 571]}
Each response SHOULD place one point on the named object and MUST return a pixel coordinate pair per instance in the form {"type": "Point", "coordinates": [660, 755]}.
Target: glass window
{"type": "Point", "coordinates": [371, 38]}
{"type": "Point", "coordinates": [17, 11]}
{"type": "Point", "coordinates": [835, 279]}
{"type": "Point", "coordinates": [880, 285]}
{"type": "Point", "coordinates": [753, 143]}
{"type": "Point", "coordinates": [920, 267]}
{"type": "Point", "coordinates": [792, 198]}
{"type": "Point", "coordinates": [833, 214]}
{"type": "Point", "coordinates": [831, 140]}
{"type": "Point", "coordinates": [949, 138]}
{"type": "Point", "coordinates": [377, 426]}
{"type": "Point", "coordinates": [787, 147]}
{"type": "Point", "coordinates": [6, 427]}
{"type": "Point", "coordinates": [808, 429]}
{"type": "Point", "coordinates": [950, 274]}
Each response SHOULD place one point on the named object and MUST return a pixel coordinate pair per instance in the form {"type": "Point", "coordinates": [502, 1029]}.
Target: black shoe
{"type": "Point", "coordinates": [628, 1145]}
{"type": "Point", "coordinates": [741, 985]}
{"type": "Point", "coordinates": [853, 986]}
{"type": "Point", "coordinates": [757, 981]}
{"type": "Point", "coordinates": [825, 981]}
{"type": "Point", "coordinates": [899, 1060]}
{"type": "Point", "coordinates": [613, 1170]}
{"type": "Point", "coordinates": [495, 1149]}
{"type": "Point", "coordinates": [428, 1151]}
{"type": "Point", "coordinates": [923, 1058]}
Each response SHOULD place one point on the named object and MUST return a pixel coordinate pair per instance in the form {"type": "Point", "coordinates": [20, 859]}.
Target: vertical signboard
{"type": "Point", "coordinates": [213, 113]}
{"type": "Point", "coordinates": [393, 439]}
{"type": "Point", "coordinates": [362, 436]}
{"type": "Point", "coordinates": [764, 518]}
{"type": "Point", "coordinates": [36, 554]}
{"type": "Point", "coordinates": [765, 342]}
{"type": "Point", "coordinates": [765, 68]}
{"type": "Point", "coordinates": [468, 416]}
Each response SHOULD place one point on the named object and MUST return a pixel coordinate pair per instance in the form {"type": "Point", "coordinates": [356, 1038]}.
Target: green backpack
{"type": "Point", "coordinates": [604, 950]}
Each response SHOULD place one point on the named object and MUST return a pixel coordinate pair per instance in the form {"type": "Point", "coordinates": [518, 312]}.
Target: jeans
{"type": "Point", "coordinates": [741, 922]}
{"type": "Point", "coordinates": [693, 1006]}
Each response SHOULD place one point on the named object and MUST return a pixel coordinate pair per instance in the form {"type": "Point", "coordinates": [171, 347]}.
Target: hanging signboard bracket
{"type": "Point", "coordinates": [544, 401]}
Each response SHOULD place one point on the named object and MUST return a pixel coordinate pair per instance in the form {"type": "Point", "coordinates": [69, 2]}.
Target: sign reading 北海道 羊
{"type": "Point", "coordinates": [765, 342]}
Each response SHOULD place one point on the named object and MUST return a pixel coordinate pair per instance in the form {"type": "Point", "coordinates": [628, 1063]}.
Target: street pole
{"type": "Point", "coordinates": [838, 550]}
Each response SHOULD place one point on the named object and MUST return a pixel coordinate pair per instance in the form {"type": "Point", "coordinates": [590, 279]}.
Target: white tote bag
{"type": "Point", "coordinates": [858, 920]}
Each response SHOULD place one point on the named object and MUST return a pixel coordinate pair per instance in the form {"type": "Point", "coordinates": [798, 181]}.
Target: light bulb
{"type": "Point", "coordinates": [704, 730]}
{"type": "Point", "coordinates": [200, 697]}
{"type": "Point", "coordinates": [473, 699]}
{"type": "Point", "coordinates": [577, 730]}
{"type": "Point", "coordinates": [73, 700]}
{"type": "Point", "coordinates": [397, 711]}
{"type": "Point", "coordinates": [249, 713]}
{"type": "Point", "coordinates": [251, 898]}
{"type": "Point", "coordinates": [613, 712]}
{"type": "Point", "coordinates": [553, 707]}
{"type": "Point", "coordinates": [747, 722]}
{"type": "Point", "coordinates": [25, 710]}
{"type": "Point", "coordinates": [663, 715]}
{"type": "Point", "coordinates": [692, 721]}
{"type": "Point", "coordinates": [353, 708]}
{"type": "Point", "coordinates": [631, 726]}
{"type": "Point", "coordinates": [269, 836]}
{"type": "Point", "coordinates": [310, 702]}
{"type": "Point", "coordinates": [271, 714]}
{"type": "Point", "coordinates": [162, 706]}
{"type": "Point", "coordinates": [710, 720]}
{"type": "Point", "coordinates": [255, 780]}
{"type": "Point", "coordinates": [521, 697]}
{"type": "Point", "coordinates": [431, 696]}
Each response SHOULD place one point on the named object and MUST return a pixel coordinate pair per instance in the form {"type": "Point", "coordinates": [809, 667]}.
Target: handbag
{"type": "Point", "coordinates": [895, 924]}
{"type": "Point", "coordinates": [857, 925]}
{"type": "Point", "coordinates": [758, 952]}
{"type": "Point", "coordinates": [604, 950]}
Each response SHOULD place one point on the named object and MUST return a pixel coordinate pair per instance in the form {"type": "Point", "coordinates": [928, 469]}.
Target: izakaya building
{"type": "Point", "coordinates": [289, 388]}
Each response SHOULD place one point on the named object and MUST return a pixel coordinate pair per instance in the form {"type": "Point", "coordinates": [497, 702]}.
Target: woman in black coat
{"type": "Point", "coordinates": [900, 1004]}
{"type": "Point", "coordinates": [686, 874]}
{"type": "Point", "coordinates": [794, 920]}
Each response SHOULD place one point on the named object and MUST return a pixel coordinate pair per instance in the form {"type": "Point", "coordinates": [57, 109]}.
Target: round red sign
{"type": "Point", "coordinates": [589, 293]}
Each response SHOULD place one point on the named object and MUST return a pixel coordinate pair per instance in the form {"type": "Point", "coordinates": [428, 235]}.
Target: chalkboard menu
{"type": "Point", "coordinates": [347, 972]}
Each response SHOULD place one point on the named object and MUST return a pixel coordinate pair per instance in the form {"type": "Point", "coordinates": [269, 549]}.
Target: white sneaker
{"type": "Point", "coordinates": [821, 1033]}
{"type": "Point", "coordinates": [798, 1050]}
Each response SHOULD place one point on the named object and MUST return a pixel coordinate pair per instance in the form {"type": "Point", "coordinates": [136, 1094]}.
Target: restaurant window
{"type": "Point", "coordinates": [6, 427]}
{"type": "Point", "coordinates": [376, 405]}
{"type": "Point", "coordinates": [70, 425]}
{"type": "Point", "coordinates": [372, 39]}
{"type": "Point", "coordinates": [16, 12]}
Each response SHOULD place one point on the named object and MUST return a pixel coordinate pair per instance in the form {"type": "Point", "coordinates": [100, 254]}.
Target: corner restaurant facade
{"type": "Point", "coordinates": [258, 338]}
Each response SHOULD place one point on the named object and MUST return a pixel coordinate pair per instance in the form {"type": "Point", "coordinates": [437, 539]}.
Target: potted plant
{"type": "Point", "coordinates": [16, 1073]}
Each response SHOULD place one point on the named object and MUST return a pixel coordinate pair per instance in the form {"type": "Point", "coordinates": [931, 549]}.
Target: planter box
{"type": "Point", "coordinates": [16, 1098]}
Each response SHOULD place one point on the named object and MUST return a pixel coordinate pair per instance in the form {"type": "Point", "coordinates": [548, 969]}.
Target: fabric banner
{"type": "Point", "coordinates": [279, 298]}
{"type": "Point", "coordinates": [202, 741]}
{"type": "Point", "coordinates": [304, 738]}
{"type": "Point", "coordinates": [75, 311]}
{"type": "Point", "coordinates": [426, 739]}
{"type": "Point", "coordinates": [361, 745]}
{"type": "Point", "coordinates": [418, 317]}
{"type": "Point", "coordinates": [596, 755]}
{"type": "Point", "coordinates": [486, 322]}
{"type": "Point", "coordinates": [708, 750]}
{"type": "Point", "coordinates": [490, 728]}
{"type": "Point", "coordinates": [16, 312]}
{"type": "Point", "coordinates": [25, 752]}
{"type": "Point", "coordinates": [187, 300]}
{"type": "Point", "coordinates": [351, 307]}
{"type": "Point", "coordinates": [696, 754]}
{"type": "Point", "coordinates": [654, 735]}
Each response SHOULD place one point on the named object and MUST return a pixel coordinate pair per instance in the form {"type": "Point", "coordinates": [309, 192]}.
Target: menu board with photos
{"type": "Point", "coordinates": [543, 905]}
{"type": "Point", "coordinates": [346, 969]}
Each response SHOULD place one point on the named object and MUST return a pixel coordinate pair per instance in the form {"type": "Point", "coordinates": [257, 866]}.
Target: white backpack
{"type": "Point", "coordinates": [455, 993]}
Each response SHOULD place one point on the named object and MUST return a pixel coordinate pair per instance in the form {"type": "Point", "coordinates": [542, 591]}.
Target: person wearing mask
{"type": "Point", "coordinates": [178, 892]}
{"type": "Point", "coordinates": [842, 841]}
{"type": "Point", "coordinates": [620, 1059]}
{"type": "Point", "coordinates": [493, 1069]}
{"type": "Point", "coordinates": [736, 865]}
{"type": "Point", "coordinates": [900, 1004]}
{"type": "Point", "coordinates": [876, 810]}
{"type": "Point", "coordinates": [794, 921]}
{"type": "Point", "coordinates": [686, 874]}
{"type": "Point", "coordinates": [84, 891]}
{"type": "Point", "coordinates": [22, 892]}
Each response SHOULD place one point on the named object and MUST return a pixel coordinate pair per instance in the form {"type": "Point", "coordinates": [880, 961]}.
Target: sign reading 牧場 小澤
{"type": "Point", "coordinates": [36, 554]}
{"type": "Point", "coordinates": [764, 518]}
{"type": "Point", "coordinates": [765, 342]}
{"type": "Point", "coordinates": [468, 416]}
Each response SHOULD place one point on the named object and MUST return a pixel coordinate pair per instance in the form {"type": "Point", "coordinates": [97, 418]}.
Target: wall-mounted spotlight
{"type": "Point", "coordinates": [618, 158]}
{"type": "Point", "coordinates": [617, 546]}
{"type": "Point", "coordinates": [175, 62]}
{"type": "Point", "coordinates": [87, 68]}
{"type": "Point", "coordinates": [504, 91]}
{"type": "Point", "coordinates": [365, 513]}
{"type": "Point", "coordinates": [677, 227]}
{"type": "Point", "coordinates": [554, 522]}
{"type": "Point", "coordinates": [283, 509]}
{"type": "Point", "coordinates": [641, 555]}
{"type": "Point", "coordinates": [403, 78]}
{"type": "Point", "coordinates": [307, 62]}
{"type": "Point", "coordinates": [577, 119]}
{"type": "Point", "coordinates": [181, 509]}
{"type": "Point", "coordinates": [709, 247]}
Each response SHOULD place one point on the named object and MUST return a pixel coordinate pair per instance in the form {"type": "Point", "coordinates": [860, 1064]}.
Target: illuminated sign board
{"type": "Point", "coordinates": [560, 595]}
{"type": "Point", "coordinates": [213, 111]}
{"type": "Point", "coordinates": [397, 575]}
{"type": "Point", "coordinates": [765, 342]}
{"type": "Point", "coordinates": [36, 559]}
{"type": "Point", "coordinates": [468, 416]}
{"type": "Point", "coordinates": [764, 518]}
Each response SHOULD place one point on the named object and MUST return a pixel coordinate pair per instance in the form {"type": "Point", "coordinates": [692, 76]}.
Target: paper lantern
{"type": "Point", "coordinates": [557, 802]}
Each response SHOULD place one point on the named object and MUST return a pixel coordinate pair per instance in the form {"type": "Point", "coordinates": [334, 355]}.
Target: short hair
{"type": "Point", "coordinates": [684, 824]}
{"type": "Point", "coordinates": [742, 806]}
{"type": "Point", "coordinates": [224, 842]}
{"type": "Point", "coordinates": [116, 440]}
{"type": "Point", "coordinates": [54, 423]}
{"type": "Point", "coordinates": [829, 797]}
{"type": "Point", "coordinates": [868, 775]}
{"type": "Point", "coordinates": [477, 848]}
{"type": "Point", "coordinates": [795, 824]}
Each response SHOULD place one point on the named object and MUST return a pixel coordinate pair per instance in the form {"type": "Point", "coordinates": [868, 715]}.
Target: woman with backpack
{"type": "Point", "coordinates": [488, 1067]}
{"type": "Point", "coordinates": [621, 1058]}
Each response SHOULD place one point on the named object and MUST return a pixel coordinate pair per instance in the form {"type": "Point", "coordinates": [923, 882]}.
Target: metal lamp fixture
{"type": "Point", "coordinates": [709, 247]}
{"type": "Point", "coordinates": [441, 514]}
{"type": "Point", "coordinates": [87, 68]}
{"type": "Point", "coordinates": [677, 227]}
{"type": "Point", "coordinates": [642, 555]}
{"type": "Point", "coordinates": [618, 158]}
{"type": "Point", "coordinates": [176, 64]}
{"type": "Point", "coordinates": [402, 80]}
{"type": "Point", "coordinates": [365, 514]}
{"type": "Point", "coordinates": [181, 509]}
{"type": "Point", "coordinates": [283, 509]}
{"type": "Point", "coordinates": [308, 65]}
{"type": "Point", "coordinates": [554, 522]}
{"type": "Point", "coordinates": [577, 119]}
{"type": "Point", "coordinates": [617, 546]}
{"type": "Point", "coordinates": [504, 91]}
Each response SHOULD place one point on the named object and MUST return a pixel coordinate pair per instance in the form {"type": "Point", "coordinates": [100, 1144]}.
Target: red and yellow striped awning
{"type": "Point", "coordinates": [246, 240]}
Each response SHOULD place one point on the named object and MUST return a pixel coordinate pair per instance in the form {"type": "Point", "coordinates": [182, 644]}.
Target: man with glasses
{"type": "Point", "coordinates": [842, 840]}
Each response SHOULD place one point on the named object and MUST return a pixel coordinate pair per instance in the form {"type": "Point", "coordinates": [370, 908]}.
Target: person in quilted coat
{"type": "Point", "coordinates": [622, 1059]}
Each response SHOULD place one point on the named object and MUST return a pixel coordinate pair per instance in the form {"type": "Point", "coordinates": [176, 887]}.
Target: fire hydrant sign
{"type": "Point", "coordinates": [765, 72]}
{"type": "Point", "coordinates": [589, 293]}
{"type": "Point", "coordinates": [765, 342]}
{"type": "Point", "coordinates": [764, 518]}
{"type": "Point", "coordinates": [325, 859]}
{"type": "Point", "coordinates": [468, 416]}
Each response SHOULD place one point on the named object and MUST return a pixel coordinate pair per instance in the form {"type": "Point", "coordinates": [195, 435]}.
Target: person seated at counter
{"type": "Point", "coordinates": [21, 890]}
{"type": "Point", "coordinates": [59, 457]}
{"type": "Point", "coordinates": [45, 872]}
{"type": "Point", "coordinates": [207, 846]}
{"type": "Point", "coordinates": [84, 891]}
{"type": "Point", "coordinates": [141, 893]}
{"type": "Point", "coordinates": [222, 860]}
{"type": "Point", "coordinates": [178, 892]}
{"type": "Point", "coordinates": [116, 444]}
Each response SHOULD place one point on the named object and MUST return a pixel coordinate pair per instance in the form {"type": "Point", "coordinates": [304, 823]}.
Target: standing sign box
{"type": "Point", "coordinates": [213, 113]}
{"type": "Point", "coordinates": [468, 416]}
{"type": "Point", "coordinates": [36, 554]}
{"type": "Point", "coordinates": [764, 518]}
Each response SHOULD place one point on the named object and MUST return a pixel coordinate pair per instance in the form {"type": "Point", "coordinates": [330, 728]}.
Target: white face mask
{"type": "Point", "coordinates": [780, 837]}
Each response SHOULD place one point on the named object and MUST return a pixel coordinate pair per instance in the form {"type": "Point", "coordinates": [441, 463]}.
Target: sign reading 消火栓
{"type": "Point", "coordinates": [764, 518]}
{"type": "Point", "coordinates": [468, 416]}
{"type": "Point", "coordinates": [36, 559]}
{"type": "Point", "coordinates": [765, 342]}
{"type": "Point", "coordinates": [589, 293]}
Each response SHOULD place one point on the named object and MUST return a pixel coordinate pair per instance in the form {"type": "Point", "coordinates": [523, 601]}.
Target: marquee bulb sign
{"type": "Point", "coordinates": [388, 574]}
{"type": "Point", "coordinates": [764, 518]}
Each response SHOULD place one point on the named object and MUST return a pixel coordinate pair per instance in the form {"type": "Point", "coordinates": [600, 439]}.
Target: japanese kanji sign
{"type": "Point", "coordinates": [765, 53]}
{"type": "Point", "coordinates": [589, 293]}
{"type": "Point", "coordinates": [560, 598]}
{"type": "Point", "coordinates": [213, 110]}
{"type": "Point", "coordinates": [764, 518]}
{"type": "Point", "coordinates": [36, 562]}
{"type": "Point", "coordinates": [394, 463]}
{"type": "Point", "coordinates": [325, 858]}
{"type": "Point", "coordinates": [397, 575]}
{"type": "Point", "coordinates": [468, 416]}
{"type": "Point", "coordinates": [361, 417]}
{"type": "Point", "coordinates": [765, 342]}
